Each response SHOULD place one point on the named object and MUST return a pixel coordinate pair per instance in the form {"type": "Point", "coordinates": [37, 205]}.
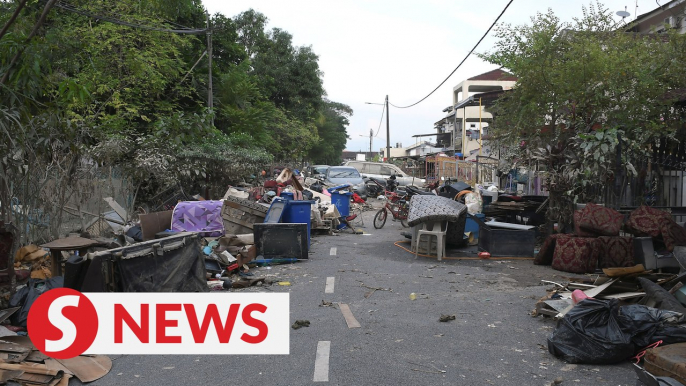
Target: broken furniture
{"type": "Point", "coordinates": [281, 240]}
{"type": "Point", "coordinates": [172, 264]}
{"type": "Point", "coordinates": [239, 215]}
{"type": "Point", "coordinates": [291, 211]}
{"type": "Point", "coordinates": [56, 248]}
{"type": "Point", "coordinates": [429, 208]}
{"type": "Point", "coordinates": [435, 229]}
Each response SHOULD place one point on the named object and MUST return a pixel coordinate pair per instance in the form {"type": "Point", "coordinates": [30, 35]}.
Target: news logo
{"type": "Point", "coordinates": [64, 323]}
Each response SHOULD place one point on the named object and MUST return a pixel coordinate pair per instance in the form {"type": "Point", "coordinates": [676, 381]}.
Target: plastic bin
{"type": "Point", "coordinates": [299, 212]}
{"type": "Point", "coordinates": [287, 196]}
{"type": "Point", "coordinates": [342, 202]}
{"type": "Point", "coordinates": [472, 226]}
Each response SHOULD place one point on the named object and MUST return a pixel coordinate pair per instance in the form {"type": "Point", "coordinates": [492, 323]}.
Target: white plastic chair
{"type": "Point", "coordinates": [438, 229]}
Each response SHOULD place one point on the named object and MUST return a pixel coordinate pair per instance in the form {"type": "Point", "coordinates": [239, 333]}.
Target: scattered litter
{"type": "Point", "coordinates": [327, 304]}
{"type": "Point", "coordinates": [446, 318]}
{"type": "Point", "coordinates": [300, 323]}
{"type": "Point", "coordinates": [284, 283]}
{"type": "Point", "coordinates": [413, 296]}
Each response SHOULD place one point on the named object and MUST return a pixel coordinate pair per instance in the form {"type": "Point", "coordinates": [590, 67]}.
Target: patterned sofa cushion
{"type": "Point", "coordinates": [578, 214]}
{"type": "Point", "coordinates": [616, 252]}
{"type": "Point", "coordinates": [545, 254]}
{"type": "Point", "coordinates": [576, 254]}
{"type": "Point", "coordinates": [656, 223]}
{"type": "Point", "coordinates": [601, 220]}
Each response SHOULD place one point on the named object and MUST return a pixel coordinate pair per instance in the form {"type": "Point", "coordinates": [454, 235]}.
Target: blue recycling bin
{"type": "Point", "coordinates": [342, 202]}
{"type": "Point", "coordinates": [287, 196]}
{"type": "Point", "coordinates": [299, 212]}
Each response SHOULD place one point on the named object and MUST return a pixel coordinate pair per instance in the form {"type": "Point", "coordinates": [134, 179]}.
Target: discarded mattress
{"type": "Point", "coordinates": [425, 208]}
{"type": "Point", "coordinates": [204, 217]}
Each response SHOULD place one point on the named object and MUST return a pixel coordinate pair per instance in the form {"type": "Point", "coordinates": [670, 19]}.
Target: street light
{"type": "Point", "coordinates": [388, 130]}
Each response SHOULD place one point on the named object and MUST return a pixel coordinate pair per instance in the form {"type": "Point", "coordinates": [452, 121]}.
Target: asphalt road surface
{"type": "Point", "coordinates": [493, 339]}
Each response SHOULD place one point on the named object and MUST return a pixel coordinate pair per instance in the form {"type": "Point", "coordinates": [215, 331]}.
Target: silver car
{"type": "Point", "coordinates": [339, 175]}
{"type": "Point", "coordinates": [384, 171]}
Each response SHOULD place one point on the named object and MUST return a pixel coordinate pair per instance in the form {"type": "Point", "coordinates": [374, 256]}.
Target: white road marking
{"type": "Point", "coordinates": [321, 362]}
{"type": "Point", "coordinates": [329, 285]}
{"type": "Point", "coordinates": [333, 251]}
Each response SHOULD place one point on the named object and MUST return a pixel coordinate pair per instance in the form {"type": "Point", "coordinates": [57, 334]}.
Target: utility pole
{"type": "Point", "coordinates": [371, 135]}
{"type": "Point", "coordinates": [388, 134]}
{"type": "Point", "coordinates": [210, 101]}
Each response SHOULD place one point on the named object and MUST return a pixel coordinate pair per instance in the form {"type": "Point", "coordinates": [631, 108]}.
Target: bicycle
{"type": "Point", "coordinates": [399, 208]}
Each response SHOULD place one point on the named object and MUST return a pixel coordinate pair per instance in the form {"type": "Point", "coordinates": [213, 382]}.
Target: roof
{"type": "Point", "coordinates": [662, 7]}
{"type": "Point", "coordinates": [497, 74]}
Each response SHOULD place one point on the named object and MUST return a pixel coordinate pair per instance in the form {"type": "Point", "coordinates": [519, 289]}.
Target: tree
{"type": "Point", "coordinates": [582, 87]}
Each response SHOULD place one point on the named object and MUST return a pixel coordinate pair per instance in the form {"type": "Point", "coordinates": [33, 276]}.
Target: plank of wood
{"type": "Point", "coordinates": [348, 315]}
{"type": "Point", "coordinates": [88, 369]}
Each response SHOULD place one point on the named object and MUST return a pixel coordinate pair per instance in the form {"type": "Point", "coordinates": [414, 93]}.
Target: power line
{"type": "Point", "coordinates": [380, 120]}
{"type": "Point", "coordinates": [68, 7]}
{"type": "Point", "coordinates": [463, 60]}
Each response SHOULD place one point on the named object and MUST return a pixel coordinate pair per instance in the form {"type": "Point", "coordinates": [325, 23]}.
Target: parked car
{"type": "Point", "coordinates": [384, 171]}
{"type": "Point", "coordinates": [314, 171]}
{"type": "Point", "coordinates": [339, 175]}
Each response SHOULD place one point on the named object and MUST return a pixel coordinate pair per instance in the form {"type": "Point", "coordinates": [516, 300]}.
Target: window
{"type": "Point", "coordinates": [386, 171]}
{"type": "Point", "coordinates": [372, 168]}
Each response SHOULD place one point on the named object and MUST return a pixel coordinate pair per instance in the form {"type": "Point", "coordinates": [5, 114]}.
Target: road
{"type": "Point", "coordinates": [492, 341]}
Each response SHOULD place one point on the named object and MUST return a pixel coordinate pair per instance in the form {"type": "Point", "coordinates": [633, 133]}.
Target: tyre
{"type": "Point", "coordinates": [380, 218]}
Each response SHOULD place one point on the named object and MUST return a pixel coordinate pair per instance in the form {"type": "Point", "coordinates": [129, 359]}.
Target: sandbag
{"type": "Point", "coordinates": [600, 332]}
{"type": "Point", "coordinates": [25, 297]}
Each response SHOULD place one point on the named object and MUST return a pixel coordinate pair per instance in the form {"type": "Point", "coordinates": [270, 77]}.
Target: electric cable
{"type": "Point", "coordinates": [463, 60]}
{"type": "Point", "coordinates": [380, 120]}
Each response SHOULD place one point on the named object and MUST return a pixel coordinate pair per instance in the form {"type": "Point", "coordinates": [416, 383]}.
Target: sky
{"type": "Point", "coordinates": [401, 48]}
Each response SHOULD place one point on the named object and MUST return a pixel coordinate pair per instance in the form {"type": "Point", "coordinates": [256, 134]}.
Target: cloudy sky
{"type": "Point", "coordinates": [401, 48]}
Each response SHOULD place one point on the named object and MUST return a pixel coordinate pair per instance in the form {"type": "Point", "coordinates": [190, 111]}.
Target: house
{"type": "Point", "coordinates": [464, 127]}
{"type": "Point", "coordinates": [421, 149]}
{"type": "Point", "coordinates": [349, 155]}
{"type": "Point", "coordinates": [666, 16]}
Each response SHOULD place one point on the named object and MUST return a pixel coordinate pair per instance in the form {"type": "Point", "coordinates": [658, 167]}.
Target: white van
{"type": "Point", "coordinates": [384, 171]}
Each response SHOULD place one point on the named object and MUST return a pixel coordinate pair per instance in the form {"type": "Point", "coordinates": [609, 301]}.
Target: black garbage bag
{"type": "Point", "coordinates": [25, 297]}
{"type": "Point", "coordinates": [600, 332]}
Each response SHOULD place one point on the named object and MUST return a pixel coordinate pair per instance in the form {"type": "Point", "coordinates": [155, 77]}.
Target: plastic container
{"type": "Point", "coordinates": [342, 202]}
{"type": "Point", "coordinates": [299, 212]}
{"type": "Point", "coordinates": [472, 226]}
{"type": "Point", "coordinates": [287, 195]}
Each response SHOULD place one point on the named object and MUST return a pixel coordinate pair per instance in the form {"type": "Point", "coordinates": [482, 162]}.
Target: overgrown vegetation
{"type": "Point", "coordinates": [81, 96]}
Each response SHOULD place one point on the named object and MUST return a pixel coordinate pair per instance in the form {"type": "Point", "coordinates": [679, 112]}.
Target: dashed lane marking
{"type": "Point", "coordinates": [333, 251]}
{"type": "Point", "coordinates": [321, 362]}
{"type": "Point", "coordinates": [329, 285]}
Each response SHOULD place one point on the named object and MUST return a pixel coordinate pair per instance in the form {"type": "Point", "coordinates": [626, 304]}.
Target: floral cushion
{"type": "Point", "coordinates": [577, 221]}
{"type": "Point", "coordinates": [576, 254]}
{"type": "Point", "coordinates": [616, 252]}
{"type": "Point", "coordinates": [601, 220]}
{"type": "Point", "coordinates": [656, 223]}
{"type": "Point", "coordinates": [545, 254]}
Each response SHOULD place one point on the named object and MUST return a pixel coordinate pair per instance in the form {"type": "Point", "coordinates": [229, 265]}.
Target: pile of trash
{"type": "Point", "coordinates": [627, 313]}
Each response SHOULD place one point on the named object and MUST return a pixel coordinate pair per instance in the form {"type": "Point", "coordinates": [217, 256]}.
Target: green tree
{"type": "Point", "coordinates": [581, 86]}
